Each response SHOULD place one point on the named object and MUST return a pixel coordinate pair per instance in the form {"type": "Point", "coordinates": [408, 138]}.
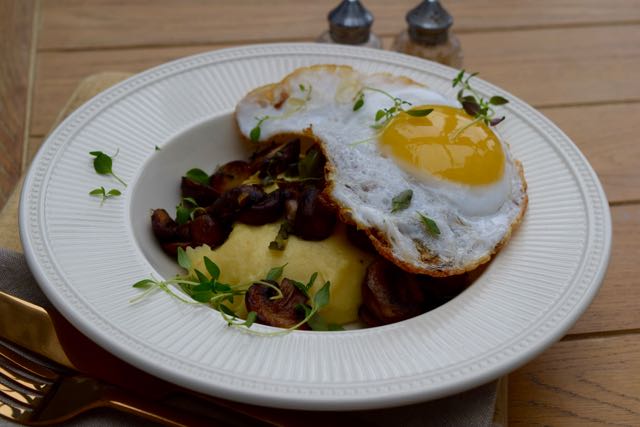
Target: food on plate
{"type": "Point", "coordinates": [245, 258]}
{"type": "Point", "coordinates": [383, 135]}
{"type": "Point", "coordinates": [385, 195]}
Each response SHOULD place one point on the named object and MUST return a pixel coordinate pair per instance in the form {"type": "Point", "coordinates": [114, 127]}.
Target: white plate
{"type": "Point", "coordinates": [86, 257]}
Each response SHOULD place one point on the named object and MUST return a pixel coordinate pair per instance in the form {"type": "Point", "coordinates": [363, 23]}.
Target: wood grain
{"type": "Point", "coordinates": [559, 66]}
{"type": "Point", "coordinates": [579, 383]}
{"type": "Point", "coordinates": [608, 137]}
{"type": "Point", "coordinates": [16, 18]}
{"type": "Point", "coordinates": [543, 71]}
{"type": "Point", "coordinates": [73, 24]}
{"type": "Point", "coordinates": [616, 305]}
{"type": "Point", "coordinates": [58, 74]}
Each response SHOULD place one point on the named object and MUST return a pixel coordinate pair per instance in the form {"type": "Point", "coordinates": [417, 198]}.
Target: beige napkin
{"type": "Point", "coordinates": [482, 406]}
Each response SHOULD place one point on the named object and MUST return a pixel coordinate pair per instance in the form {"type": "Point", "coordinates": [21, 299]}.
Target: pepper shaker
{"type": "Point", "coordinates": [350, 23]}
{"type": "Point", "coordinates": [429, 36]}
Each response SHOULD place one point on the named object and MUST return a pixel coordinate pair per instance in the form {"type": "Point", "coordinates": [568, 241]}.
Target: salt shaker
{"type": "Point", "coordinates": [350, 23]}
{"type": "Point", "coordinates": [429, 36]}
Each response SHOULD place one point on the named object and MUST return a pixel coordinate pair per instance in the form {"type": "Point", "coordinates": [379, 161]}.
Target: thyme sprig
{"type": "Point", "coordinates": [104, 194]}
{"type": "Point", "coordinates": [208, 290]}
{"type": "Point", "coordinates": [474, 104]}
{"type": "Point", "coordinates": [384, 115]}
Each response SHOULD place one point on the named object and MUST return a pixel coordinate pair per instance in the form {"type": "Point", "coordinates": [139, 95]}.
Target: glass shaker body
{"type": "Point", "coordinates": [448, 52]}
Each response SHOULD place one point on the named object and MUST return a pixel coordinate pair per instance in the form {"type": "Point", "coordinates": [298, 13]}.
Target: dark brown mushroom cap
{"type": "Point", "coordinates": [276, 160]}
{"type": "Point", "coordinates": [229, 175]}
{"type": "Point", "coordinates": [163, 226]}
{"type": "Point", "coordinates": [265, 211]}
{"type": "Point", "coordinates": [281, 312]}
{"type": "Point", "coordinates": [233, 201]}
{"type": "Point", "coordinates": [390, 294]}
{"type": "Point", "coordinates": [204, 195]}
{"type": "Point", "coordinates": [315, 216]}
{"type": "Point", "coordinates": [206, 230]}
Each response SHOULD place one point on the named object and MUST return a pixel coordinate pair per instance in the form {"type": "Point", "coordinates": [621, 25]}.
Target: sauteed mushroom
{"type": "Point", "coordinates": [315, 216]}
{"type": "Point", "coordinates": [163, 226]}
{"type": "Point", "coordinates": [277, 160]}
{"type": "Point", "coordinates": [280, 312]}
{"type": "Point", "coordinates": [229, 175]}
{"type": "Point", "coordinates": [231, 202]}
{"type": "Point", "coordinates": [204, 195]}
{"type": "Point", "coordinates": [389, 294]}
{"type": "Point", "coordinates": [206, 230]}
{"type": "Point", "coordinates": [267, 210]}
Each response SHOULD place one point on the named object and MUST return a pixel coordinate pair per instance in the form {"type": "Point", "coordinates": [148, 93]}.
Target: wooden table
{"type": "Point", "coordinates": [578, 61]}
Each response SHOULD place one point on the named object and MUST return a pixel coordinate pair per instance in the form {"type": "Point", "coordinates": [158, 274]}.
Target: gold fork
{"type": "Point", "coordinates": [36, 394]}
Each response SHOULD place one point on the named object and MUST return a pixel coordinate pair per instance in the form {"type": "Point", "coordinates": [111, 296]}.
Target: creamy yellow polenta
{"type": "Point", "coordinates": [245, 257]}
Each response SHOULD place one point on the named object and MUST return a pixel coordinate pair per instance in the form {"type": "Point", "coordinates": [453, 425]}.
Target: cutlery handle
{"type": "Point", "coordinates": [158, 412]}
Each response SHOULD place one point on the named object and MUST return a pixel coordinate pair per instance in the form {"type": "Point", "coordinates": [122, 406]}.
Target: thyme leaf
{"type": "Point", "coordinates": [104, 194]}
{"type": "Point", "coordinates": [401, 201]}
{"type": "Point", "coordinates": [198, 175]}
{"type": "Point", "coordinates": [474, 104]}
{"type": "Point", "coordinates": [429, 225]}
{"type": "Point", "coordinates": [103, 164]}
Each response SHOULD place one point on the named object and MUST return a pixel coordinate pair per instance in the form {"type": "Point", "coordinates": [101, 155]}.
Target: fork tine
{"type": "Point", "coordinates": [13, 410]}
{"type": "Point", "coordinates": [23, 384]}
{"type": "Point", "coordinates": [34, 368]}
{"type": "Point", "coordinates": [16, 378]}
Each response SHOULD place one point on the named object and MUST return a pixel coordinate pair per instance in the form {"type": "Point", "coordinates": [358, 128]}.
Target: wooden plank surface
{"type": "Point", "coordinates": [586, 382]}
{"type": "Point", "coordinates": [555, 67]}
{"type": "Point", "coordinates": [541, 69]}
{"type": "Point", "coordinates": [608, 136]}
{"type": "Point", "coordinates": [109, 23]}
{"type": "Point", "coordinates": [616, 305]}
{"type": "Point", "coordinates": [16, 17]}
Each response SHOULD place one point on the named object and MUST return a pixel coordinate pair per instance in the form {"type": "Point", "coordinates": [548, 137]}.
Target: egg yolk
{"type": "Point", "coordinates": [436, 145]}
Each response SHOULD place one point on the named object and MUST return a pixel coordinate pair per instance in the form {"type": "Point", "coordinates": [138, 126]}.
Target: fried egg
{"type": "Point", "coordinates": [468, 192]}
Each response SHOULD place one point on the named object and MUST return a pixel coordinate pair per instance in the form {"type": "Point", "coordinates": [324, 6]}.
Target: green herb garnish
{"type": "Point", "coordinates": [198, 175]}
{"type": "Point", "coordinates": [359, 101]}
{"type": "Point", "coordinates": [203, 289]}
{"type": "Point", "coordinates": [311, 166]}
{"type": "Point", "coordinates": [401, 201]}
{"type": "Point", "coordinates": [429, 225]}
{"type": "Point", "coordinates": [275, 273]}
{"type": "Point", "coordinates": [474, 104]}
{"type": "Point", "coordinates": [185, 209]}
{"type": "Point", "coordinates": [419, 112]}
{"type": "Point", "coordinates": [280, 242]}
{"type": "Point", "coordinates": [254, 135]}
{"type": "Point", "coordinates": [384, 115]}
{"type": "Point", "coordinates": [103, 165]}
{"type": "Point", "coordinates": [104, 194]}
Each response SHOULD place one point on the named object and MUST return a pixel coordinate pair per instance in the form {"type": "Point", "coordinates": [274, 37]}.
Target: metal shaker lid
{"type": "Point", "coordinates": [429, 23]}
{"type": "Point", "coordinates": [350, 23]}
